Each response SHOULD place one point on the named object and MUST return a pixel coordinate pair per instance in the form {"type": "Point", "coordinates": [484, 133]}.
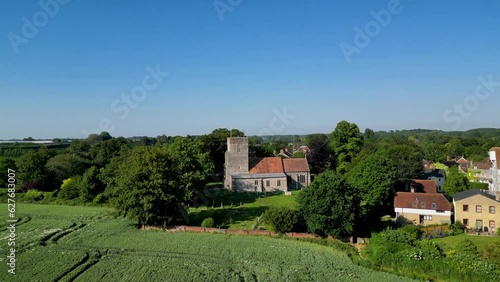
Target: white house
{"type": "Point", "coordinates": [495, 170]}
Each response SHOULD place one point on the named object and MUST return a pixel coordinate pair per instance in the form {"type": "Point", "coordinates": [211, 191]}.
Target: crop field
{"type": "Point", "coordinates": [62, 243]}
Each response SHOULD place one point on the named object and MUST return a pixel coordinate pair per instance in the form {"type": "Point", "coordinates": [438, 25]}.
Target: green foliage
{"type": "Point", "coordinates": [33, 195]}
{"type": "Point", "coordinates": [282, 219]}
{"type": "Point", "coordinates": [455, 182]}
{"type": "Point", "coordinates": [90, 186]}
{"type": "Point", "coordinates": [66, 165]}
{"type": "Point", "coordinates": [70, 188]}
{"type": "Point", "coordinates": [329, 205]}
{"type": "Point", "coordinates": [216, 144]}
{"type": "Point", "coordinates": [208, 222]}
{"type": "Point", "coordinates": [319, 157]}
{"type": "Point", "coordinates": [299, 154]}
{"type": "Point", "coordinates": [5, 165]}
{"type": "Point", "coordinates": [345, 142]}
{"type": "Point", "coordinates": [33, 173]}
{"type": "Point", "coordinates": [467, 247]}
{"type": "Point", "coordinates": [478, 185]}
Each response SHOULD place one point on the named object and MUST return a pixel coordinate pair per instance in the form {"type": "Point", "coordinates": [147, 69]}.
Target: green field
{"type": "Point", "coordinates": [480, 241]}
{"type": "Point", "coordinates": [62, 243]}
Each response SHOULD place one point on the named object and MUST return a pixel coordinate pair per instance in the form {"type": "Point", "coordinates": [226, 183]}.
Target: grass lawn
{"type": "Point", "coordinates": [481, 242]}
{"type": "Point", "coordinates": [244, 216]}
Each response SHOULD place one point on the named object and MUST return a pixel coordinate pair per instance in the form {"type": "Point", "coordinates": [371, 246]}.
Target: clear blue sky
{"type": "Point", "coordinates": [262, 55]}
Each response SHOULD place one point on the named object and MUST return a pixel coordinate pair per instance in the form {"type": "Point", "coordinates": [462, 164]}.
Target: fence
{"type": "Point", "coordinates": [197, 229]}
{"type": "Point", "coordinates": [434, 229]}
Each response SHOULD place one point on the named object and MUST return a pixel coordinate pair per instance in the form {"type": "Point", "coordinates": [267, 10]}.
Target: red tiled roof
{"type": "Point", "coordinates": [462, 160]}
{"type": "Point", "coordinates": [484, 164]}
{"type": "Point", "coordinates": [415, 201]}
{"type": "Point", "coordinates": [295, 165]}
{"type": "Point", "coordinates": [427, 186]}
{"type": "Point", "coordinates": [268, 165]}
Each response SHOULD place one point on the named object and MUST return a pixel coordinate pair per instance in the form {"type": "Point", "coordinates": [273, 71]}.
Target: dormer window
{"type": "Point", "coordinates": [433, 206]}
{"type": "Point", "coordinates": [415, 204]}
{"type": "Point", "coordinates": [422, 205]}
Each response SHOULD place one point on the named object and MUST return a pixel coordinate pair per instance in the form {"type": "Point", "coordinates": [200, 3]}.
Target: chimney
{"type": "Point", "coordinates": [412, 189]}
{"type": "Point", "coordinates": [497, 195]}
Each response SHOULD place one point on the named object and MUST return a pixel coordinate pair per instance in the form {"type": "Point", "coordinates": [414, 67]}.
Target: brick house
{"type": "Point", "coordinates": [423, 204]}
{"type": "Point", "coordinates": [262, 174]}
{"type": "Point", "coordinates": [478, 210]}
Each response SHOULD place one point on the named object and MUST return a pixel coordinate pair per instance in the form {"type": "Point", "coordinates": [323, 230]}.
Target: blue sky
{"type": "Point", "coordinates": [237, 68]}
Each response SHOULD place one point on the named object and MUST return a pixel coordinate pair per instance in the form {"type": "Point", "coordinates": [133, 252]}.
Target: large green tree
{"type": "Point", "coordinates": [318, 156]}
{"type": "Point", "coordinates": [345, 142]}
{"type": "Point", "coordinates": [65, 166]}
{"type": "Point", "coordinates": [33, 172]}
{"type": "Point", "coordinates": [154, 184]}
{"type": "Point", "coordinates": [329, 205]}
{"type": "Point", "coordinates": [455, 182]}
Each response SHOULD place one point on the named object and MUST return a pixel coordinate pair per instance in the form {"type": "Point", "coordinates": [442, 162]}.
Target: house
{"type": "Point", "coordinates": [438, 175]}
{"type": "Point", "coordinates": [463, 164]}
{"type": "Point", "coordinates": [478, 210]}
{"type": "Point", "coordinates": [495, 170]}
{"type": "Point", "coordinates": [262, 174]}
{"type": "Point", "coordinates": [481, 172]}
{"type": "Point", "coordinates": [423, 204]}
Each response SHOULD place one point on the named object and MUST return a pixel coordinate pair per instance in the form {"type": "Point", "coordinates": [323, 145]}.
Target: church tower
{"type": "Point", "coordinates": [236, 159]}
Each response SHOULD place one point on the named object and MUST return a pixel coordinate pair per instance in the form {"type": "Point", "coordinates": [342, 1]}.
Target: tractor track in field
{"type": "Point", "coordinates": [54, 237]}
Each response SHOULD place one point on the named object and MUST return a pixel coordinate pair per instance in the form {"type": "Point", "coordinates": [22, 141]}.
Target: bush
{"type": "Point", "coordinates": [100, 199]}
{"type": "Point", "coordinates": [33, 195]}
{"type": "Point", "coordinates": [69, 188]}
{"type": "Point", "coordinates": [413, 230]}
{"type": "Point", "coordinates": [281, 219]}
{"type": "Point", "coordinates": [208, 222]}
{"type": "Point", "coordinates": [467, 247]}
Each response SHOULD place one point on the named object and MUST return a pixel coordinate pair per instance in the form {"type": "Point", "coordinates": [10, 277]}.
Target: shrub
{"type": "Point", "coordinates": [33, 195]}
{"type": "Point", "coordinates": [208, 222]}
{"type": "Point", "coordinates": [459, 225]}
{"type": "Point", "coordinates": [414, 230]}
{"type": "Point", "coordinates": [69, 188]}
{"type": "Point", "coordinates": [467, 247]}
{"type": "Point", "coordinates": [100, 199]}
{"type": "Point", "coordinates": [281, 219]}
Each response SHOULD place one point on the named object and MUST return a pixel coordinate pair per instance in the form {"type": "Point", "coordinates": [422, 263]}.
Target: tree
{"type": "Point", "coordinates": [329, 205]}
{"type": "Point", "coordinates": [147, 188]}
{"type": "Point", "coordinates": [318, 156]}
{"type": "Point", "coordinates": [69, 188]}
{"type": "Point", "coordinates": [345, 142]}
{"type": "Point", "coordinates": [373, 178]}
{"type": "Point", "coordinates": [33, 172]}
{"type": "Point", "coordinates": [5, 165]}
{"type": "Point", "coordinates": [154, 184]}
{"type": "Point", "coordinates": [66, 165]}
{"type": "Point", "coordinates": [103, 153]}
{"type": "Point", "coordinates": [407, 160]}
{"type": "Point", "coordinates": [455, 182]}
{"type": "Point", "coordinates": [90, 185]}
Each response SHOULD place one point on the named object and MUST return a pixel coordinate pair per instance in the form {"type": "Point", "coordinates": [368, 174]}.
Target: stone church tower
{"type": "Point", "coordinates": [236, 158]}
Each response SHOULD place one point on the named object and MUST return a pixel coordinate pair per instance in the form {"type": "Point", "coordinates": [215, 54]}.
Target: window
{"type": "Point", "coordinates": [479, 224]}
{"type": "Point", "coordinates": [256, 182]}
{"type": "Point", "coordinates": [465, 208]}
{"type": "Point", "coordinates": [302, 178]}
{"type": "Point", "coordinates": [466, 222]}
{"type": "Point", "coordinates": [433, 206]}
{"type": "Point", "coordinates": [414, 205]}
{"type": "Point", "coordinates": [427, 217]}
{"type": "Point", "coordinates": [422, 205]}
{"type": "Point", "coordinates": [279, 183]}
{"type": "Point", "coordinates": [492, 224]}
{"type": "Point", "coordinates": [492, 209]}
{"type": "Point", "coordinates": [479, 209]}
{"type": "Point", "coordinates": [268, 183]}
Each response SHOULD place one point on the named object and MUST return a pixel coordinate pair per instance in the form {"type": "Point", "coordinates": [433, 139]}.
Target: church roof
{"type": "Point", "coordinates": [278, 165]}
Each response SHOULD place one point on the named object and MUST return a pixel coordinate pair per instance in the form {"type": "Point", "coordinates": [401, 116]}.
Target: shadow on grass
{"type": "Point", "coordinates": [226, 216]}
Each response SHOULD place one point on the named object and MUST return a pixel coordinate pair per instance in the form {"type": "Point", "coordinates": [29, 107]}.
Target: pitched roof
{"type": "Point", "coordinates": [462, 160]}
{"type": "Point", "coordinates": [295, 165]}
{"type": "Point", "coordinates": [426, 186]}
{"type": "Point", "coordinates": [483, 165]}
{"type": "Point", "coordinates": [268, 165]}
{"type": "Point", "coordinates": [470, 193]}
{"type": "Point", "coordinates": [421, 201]}
{"type": "Point", "coordinates": [429, 172]}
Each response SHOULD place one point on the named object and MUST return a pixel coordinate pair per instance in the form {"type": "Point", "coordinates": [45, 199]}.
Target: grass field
{"type": "Point", "coordinates": [480, 241]}
{"type": "Point", "coordinates": [244, 216]}
{"type": "Point", "coordinates": [62, 243]}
